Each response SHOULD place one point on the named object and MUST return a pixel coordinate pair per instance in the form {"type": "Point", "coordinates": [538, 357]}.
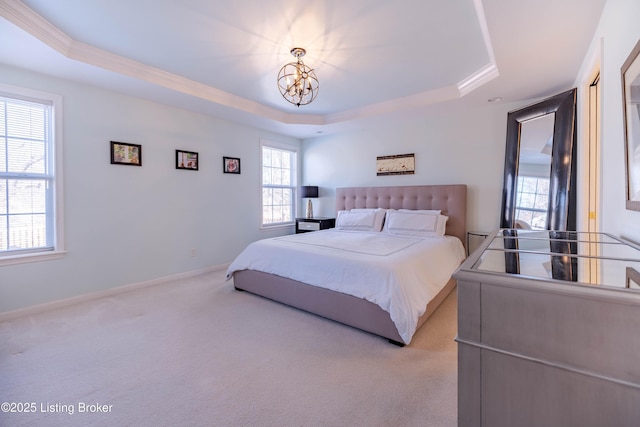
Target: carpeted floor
{"type": "Point", "coordinates": [196, 352]}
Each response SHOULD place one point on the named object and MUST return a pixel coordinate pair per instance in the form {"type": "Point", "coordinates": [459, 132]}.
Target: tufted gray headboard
{"type": "Point", "coordinates": [450, 199]}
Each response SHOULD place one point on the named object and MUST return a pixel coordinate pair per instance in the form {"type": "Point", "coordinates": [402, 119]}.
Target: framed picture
{"type": "Point", "coordinates": [126, 154]}
{"type": "Point", "coordinates": [186, 160]}
{"type": "Point", "coordinates": [399, 164]}
{"type": "Point", "coordinates": [631, 108]}
{"type": "Point", "coordinates": [231, 165]}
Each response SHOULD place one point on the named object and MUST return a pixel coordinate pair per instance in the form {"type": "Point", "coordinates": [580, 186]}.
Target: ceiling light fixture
{"type": "Point", "coordinates": [298, 83]}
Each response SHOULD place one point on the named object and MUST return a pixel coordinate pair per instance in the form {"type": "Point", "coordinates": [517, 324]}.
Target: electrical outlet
{"type": "Point", "coordinates": [193, 252]}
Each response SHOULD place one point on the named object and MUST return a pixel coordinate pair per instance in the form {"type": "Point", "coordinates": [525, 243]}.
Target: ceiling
{"type": "Point", "coordinates": [373, 58]}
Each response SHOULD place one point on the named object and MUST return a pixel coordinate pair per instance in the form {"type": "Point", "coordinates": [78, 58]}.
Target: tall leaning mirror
{"type": "Point", "coordinates": [539, 189]}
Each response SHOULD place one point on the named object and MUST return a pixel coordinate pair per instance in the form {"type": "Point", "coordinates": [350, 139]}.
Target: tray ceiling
{"type": "Point", "coordinates": [372, 57]}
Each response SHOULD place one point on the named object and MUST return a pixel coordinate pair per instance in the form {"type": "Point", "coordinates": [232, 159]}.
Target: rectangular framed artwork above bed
{"type": "Point", "coordinates": [384, 269]}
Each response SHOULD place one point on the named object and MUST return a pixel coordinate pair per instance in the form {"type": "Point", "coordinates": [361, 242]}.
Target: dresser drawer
{"type": "Point", "coordinates": [305, 225]}
{"type": "Point", "coordinates": [308, 226]}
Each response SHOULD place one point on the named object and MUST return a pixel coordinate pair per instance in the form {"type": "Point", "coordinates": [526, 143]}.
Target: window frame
{"type": "Point", "coordinates": [55, 101]}
{"type": "Point", "coordinates": [294, 186]}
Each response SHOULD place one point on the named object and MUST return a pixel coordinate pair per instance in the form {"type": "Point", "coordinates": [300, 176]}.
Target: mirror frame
{"type": "Point", "coordinates": [633, 205]}
{"type": "Point", "coordinates": [561, 213]}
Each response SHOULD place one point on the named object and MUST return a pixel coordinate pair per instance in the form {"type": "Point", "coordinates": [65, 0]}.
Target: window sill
{"type": "Point", "coordinates": [277, 226]}
{"type": "Point", "coordinates": [36, 257]}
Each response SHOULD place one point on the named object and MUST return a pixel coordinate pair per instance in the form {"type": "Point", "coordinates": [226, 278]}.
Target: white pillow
{"type": "Point", "coordinates": [360, 221]}
{"type": "Point", "coordinates": [379, 216]}
{"type": "Point", "coordinates": [412, 223]}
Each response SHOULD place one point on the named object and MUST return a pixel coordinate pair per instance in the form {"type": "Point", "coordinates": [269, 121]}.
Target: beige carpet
{"type": "Point", "coordinates": [196, 352]}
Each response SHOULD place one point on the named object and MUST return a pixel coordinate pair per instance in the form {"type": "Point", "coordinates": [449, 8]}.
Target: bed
{"type": "Point", "coordinates": [343, 307]}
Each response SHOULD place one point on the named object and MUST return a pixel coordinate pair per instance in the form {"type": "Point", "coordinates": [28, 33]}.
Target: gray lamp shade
{"type": "Point", "coordinates": [309, 191]}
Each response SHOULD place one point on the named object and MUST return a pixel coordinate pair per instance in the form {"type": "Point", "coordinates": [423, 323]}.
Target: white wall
{"type": "Point", "coordinates": [453, 144]}
{"type": "Point", "coordinates": [128, 224]}
{"type": "Point", "coordinates": [617, 34]}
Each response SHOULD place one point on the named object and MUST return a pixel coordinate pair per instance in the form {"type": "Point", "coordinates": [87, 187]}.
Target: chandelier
{"type": "Point", "coordinates": [298, 83]}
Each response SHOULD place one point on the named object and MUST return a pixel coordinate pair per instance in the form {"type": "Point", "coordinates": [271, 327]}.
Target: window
{"type": "Point", "coordinates": [532, 202]}
{"type": "Point", "coordinates": [28, 180]}
{"type": "Point", "coordinates": [279, 173]}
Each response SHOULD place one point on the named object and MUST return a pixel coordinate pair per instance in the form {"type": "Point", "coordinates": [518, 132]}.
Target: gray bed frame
{"type": "Point", "coordinates": [347, 309]}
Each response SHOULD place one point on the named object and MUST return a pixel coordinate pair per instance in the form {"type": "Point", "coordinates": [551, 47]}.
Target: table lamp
{"type": "Point", "coordinates": [309, 192]}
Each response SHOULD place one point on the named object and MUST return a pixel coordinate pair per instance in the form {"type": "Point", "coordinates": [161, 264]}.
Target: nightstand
{"type": "Point", "coordinates": [304, 225]}
{"type": "Point", "coordinates": [474, 239]}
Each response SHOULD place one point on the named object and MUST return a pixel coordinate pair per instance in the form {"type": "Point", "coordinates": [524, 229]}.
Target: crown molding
{"type": "Point", "coordinates": [477, 79]}
{"type": "Point", "coordinates": [489, 71]}
{"type": "Point", "coordinates": [26, 18]}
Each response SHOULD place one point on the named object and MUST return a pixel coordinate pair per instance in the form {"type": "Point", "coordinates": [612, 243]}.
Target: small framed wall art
{"type": "Point", "coordinates": [123, 153]}
{"type": "Point", "coordinates": [186, 160]}
{"type": "Point", "coordinates": [231, 165]}
{"type": "Point", "coordinates": [399, 164]}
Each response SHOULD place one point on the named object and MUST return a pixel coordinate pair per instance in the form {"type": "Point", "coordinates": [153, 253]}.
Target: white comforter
{"type": "Point", "coordinates": [398, 273]}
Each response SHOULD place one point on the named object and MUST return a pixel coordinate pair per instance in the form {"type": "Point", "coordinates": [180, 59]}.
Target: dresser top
{"type": "Point", "coordinates": [590, 259]}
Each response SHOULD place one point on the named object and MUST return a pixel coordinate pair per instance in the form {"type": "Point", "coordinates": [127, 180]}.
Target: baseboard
{"type": "Point", "coordinates": [53, 305]}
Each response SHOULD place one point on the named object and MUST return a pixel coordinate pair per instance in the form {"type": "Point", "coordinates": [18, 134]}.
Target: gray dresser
{"type": "Point", "coordinates": [549, 331]}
